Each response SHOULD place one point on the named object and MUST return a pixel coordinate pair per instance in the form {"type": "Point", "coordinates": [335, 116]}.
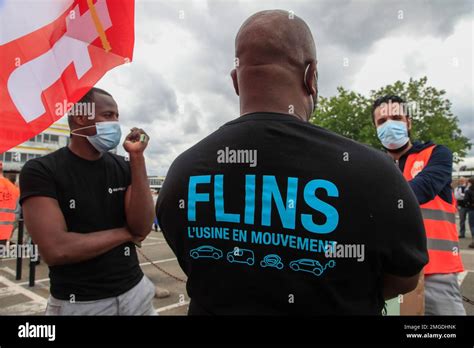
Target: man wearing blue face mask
{"type": "Point", "coordinates": [428, 169]}
{"type": "Point", "coordinates": [86, 208]}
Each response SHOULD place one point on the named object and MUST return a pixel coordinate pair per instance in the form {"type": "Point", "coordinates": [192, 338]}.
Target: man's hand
{"type": "Point", "coordinates": [139, 208]}
{"type": "Point", "coordinates": [137, 240]}
{"type": "Point", "coordinates": [136, 141]}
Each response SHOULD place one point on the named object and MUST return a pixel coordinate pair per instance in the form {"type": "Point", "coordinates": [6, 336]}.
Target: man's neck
{"type": "Point", "coordinates": [81, 147]}
{"type": "Point", "coordinates": [250, 104]}
{"type": "Point", "coordinates": [255, 109]}
{"type": "Point", "coordinates": [271, 92]}
{"type": "Point", "coordinates": [397, 155]}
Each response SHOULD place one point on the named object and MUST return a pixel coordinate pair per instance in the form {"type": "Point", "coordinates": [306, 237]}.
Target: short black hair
{"type": "Point", "coordinates": [385, 99]}
{"type": "Point", "coordinates": [89, 96]}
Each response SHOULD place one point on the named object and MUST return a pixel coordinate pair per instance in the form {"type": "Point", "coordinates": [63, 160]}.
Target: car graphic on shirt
{"type": "Point", "coordinates": [206, 251]}
{"type": "Point", "coordinates": [239, 255]}
{"type": "Point", "coordinates": [311, 266]}
{"type": "Point", "coordinates": [272, 261]}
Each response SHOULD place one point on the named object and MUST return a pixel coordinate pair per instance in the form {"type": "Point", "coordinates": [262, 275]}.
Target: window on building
{"type": "Point", "coordinates": [23, 157]}
{"type": "Point", "coordinates": [50, 138]}
{"type": "Point", "coordinates": [36, 139]}
{"type": "Point", "coordinates": [12, 157]}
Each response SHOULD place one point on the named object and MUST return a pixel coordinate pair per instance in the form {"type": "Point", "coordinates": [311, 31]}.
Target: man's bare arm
{"type": "Point", "coordinates": [139, 207]}
{"type": "Point", "coordinates": [46, 225]}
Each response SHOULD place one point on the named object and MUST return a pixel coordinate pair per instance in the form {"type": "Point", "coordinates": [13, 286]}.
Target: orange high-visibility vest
{"type": "Point", "coordinates": [439, 221]}
{"type": "Point", "coordinates": [9, 194]}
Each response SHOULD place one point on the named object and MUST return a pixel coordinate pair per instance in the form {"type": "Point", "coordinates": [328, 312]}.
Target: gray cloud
{"type": "Point", "coordinates": [413, 64]}
{"type": "Point", "coordinates": [465, 115]}
{"type": "Point", "coordinates": [191, 121]}
{"type": "Point", "coordinates": [155, 98]}
{"type": "Point", "coordinates": [357, 25]}
{"type": "Point", "coordinates": [344, 29]}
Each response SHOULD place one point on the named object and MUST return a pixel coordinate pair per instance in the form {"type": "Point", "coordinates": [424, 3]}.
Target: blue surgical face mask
{"type": "Point", "coordinates": [107, 137]}
{"type": "Point", "coordinates": [393, 134]}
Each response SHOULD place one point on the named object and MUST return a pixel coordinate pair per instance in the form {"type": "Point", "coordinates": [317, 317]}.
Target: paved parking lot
{"type": "Point", "coordinates": [18, 298]}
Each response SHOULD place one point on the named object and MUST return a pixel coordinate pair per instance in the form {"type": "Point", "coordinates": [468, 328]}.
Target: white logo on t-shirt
{"type": "Point", "coordinates": [417, 168]}
{"type": "Point", "coordinates": [117, 189]}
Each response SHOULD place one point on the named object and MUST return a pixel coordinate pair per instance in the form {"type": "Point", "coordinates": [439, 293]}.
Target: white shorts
{"type": "Point", "coordinates": [136, 301]}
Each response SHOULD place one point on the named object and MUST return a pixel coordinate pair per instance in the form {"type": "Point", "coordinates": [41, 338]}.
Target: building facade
{"type": "Point", "coordinates": [156, 182]}
{"type": "Point", "coordinates": [52, 139]}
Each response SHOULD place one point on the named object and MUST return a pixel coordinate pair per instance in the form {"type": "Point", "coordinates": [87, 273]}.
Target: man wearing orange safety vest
{"type": "Point", "coordinates": [9, 195]}
{"type": "Point", "coordinates": [428, 169]}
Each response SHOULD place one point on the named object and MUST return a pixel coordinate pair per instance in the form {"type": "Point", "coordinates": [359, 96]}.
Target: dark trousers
{"type": "Point", "coordinates": [462, 221]}
{"type": "Point", "coordinates": [470, 215]}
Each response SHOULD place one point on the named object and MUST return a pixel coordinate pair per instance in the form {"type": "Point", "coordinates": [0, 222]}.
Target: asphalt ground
{"type": "Point", "coordinates": [18, 298]}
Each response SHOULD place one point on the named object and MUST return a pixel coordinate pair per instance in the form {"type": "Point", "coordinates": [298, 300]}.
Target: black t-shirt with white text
{"type": "Point", "coordinates": [272, 215]}
{"type": "Point", "coordinates": [91, 195]}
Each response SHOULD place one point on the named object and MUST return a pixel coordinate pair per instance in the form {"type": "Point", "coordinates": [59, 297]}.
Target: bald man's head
{"type": "Point", "coordinates": [276, 48]}
{"type": "Point", "coordinates": [275, 37]}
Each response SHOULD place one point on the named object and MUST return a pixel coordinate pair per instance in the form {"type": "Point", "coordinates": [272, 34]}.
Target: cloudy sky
{"type": "Point", "coordinates": [178, 87]}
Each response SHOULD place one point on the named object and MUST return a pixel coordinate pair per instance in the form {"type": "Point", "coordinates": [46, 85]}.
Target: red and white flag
{"type": "Point", "coordinates": [51, 53]}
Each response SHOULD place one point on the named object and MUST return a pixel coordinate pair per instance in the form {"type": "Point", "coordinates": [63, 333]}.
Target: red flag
{"type": "Point", "coordinates": [53, 66]}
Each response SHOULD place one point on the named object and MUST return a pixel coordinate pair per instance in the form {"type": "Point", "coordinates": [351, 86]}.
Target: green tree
{"type": "Point", "coordinates": [350, 114]}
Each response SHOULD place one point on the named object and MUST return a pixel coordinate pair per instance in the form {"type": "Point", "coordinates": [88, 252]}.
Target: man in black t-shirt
{"type": "Point", "coordinates": [273, 215]}
{"type": "Point", "coordinates": [85, 208]}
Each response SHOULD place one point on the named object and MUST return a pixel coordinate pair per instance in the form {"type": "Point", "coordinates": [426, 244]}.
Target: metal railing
{"type": "Point", "coordinates": [19, 257]}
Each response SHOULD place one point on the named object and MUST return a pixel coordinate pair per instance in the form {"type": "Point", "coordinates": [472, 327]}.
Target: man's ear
{"type": "Point", "coordinates": [233, 74]}
{"type": "Point", "coordinates": [409, 123]}
{"type": "Point", "coordinates": [81, 121]}
{"type": "Point", "coordinates": [310, 78]}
